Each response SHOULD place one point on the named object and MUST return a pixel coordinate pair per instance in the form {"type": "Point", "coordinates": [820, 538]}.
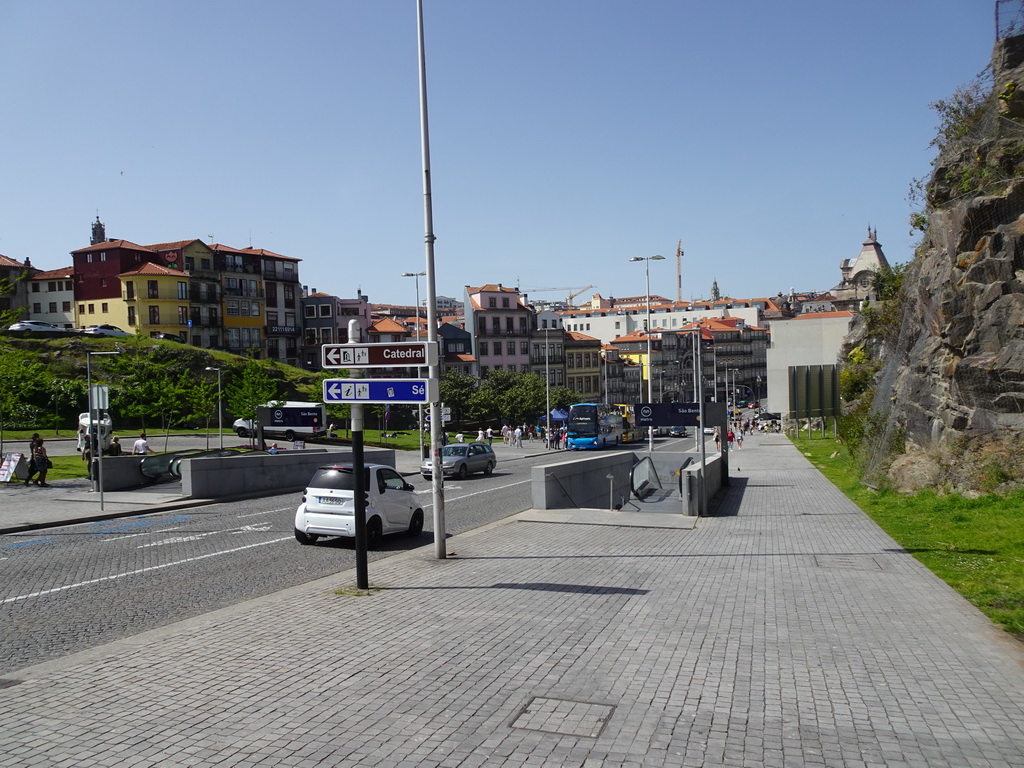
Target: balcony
{"type": "Point", "coordinates": [244, 293]}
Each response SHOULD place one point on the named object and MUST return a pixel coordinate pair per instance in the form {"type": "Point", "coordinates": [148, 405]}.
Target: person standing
{"type": "Point", "coordinates": [42, 462]}
{"type": "Point", "coordinates": [517, 438]}
{"type": "Point", "coordinates": [115, 447]}
{"type": "Point", "coordinates": [141, 446]}
{"type": "Point", "coordinates": [490, 436]}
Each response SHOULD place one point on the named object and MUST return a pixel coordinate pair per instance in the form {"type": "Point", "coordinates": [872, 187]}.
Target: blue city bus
{"type": "Point", "coordinates": [593, 425]}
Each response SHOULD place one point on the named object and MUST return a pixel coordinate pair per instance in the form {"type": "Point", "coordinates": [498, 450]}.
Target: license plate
{"type": "Point", "coordinates": [329, 500]}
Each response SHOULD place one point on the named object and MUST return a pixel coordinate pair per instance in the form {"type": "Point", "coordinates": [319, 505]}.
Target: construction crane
{"type": "Point", "coordinates": [576, 291]}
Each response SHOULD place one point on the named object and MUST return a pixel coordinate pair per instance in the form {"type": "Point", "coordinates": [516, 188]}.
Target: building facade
{"type": "Point", "coordinates": [502, 328]}
{"type": "Point", "coordinates": [51, 297]}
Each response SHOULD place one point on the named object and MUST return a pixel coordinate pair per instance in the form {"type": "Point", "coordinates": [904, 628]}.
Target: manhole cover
{"type": "Point", "coordinates": [570, 718]}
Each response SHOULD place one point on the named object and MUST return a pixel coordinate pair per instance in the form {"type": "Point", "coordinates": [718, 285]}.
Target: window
{"type": "Point", "coordinates": [131, 315]}
{"type": "Point", "coordinates": [483, 349]}
{"type": "Point", "coordinates": [524, 348]}
{"type": "Point", "coordinates": [325, 310]}
{"type": "Point", "coordinates": [152, 289]}
{"type": "Point", "coordinates": [271, 318]}
{"type": "Point", "coordinates": [504, 302]}
{"type": "Point", "coordinates": [213, 316]}
{"type": "Point", "coordinates": [103, 308]}
{"type": "Point", "coordinates": [205, 264]}
{"type": "Point", "coordinates": [497, 348]}
{"type": "Point", "coordinates": [190, 263]}
{"type": "Point", "coordinates": [129, 290]}
{"type": "Point", "coordinates": [289, 320]}
{"type": "Point", "coordinates": [37, 309]}
{"type": "Point", "coordinates": [81, 309]}
{"type": "Point", "coordinates": [509, 325]}
{"type": "Point", "coordinates": [510, 347]}
{"type": "Point", "coordinates": [183, 290]}
{"type": "Point", "coordinates": [88, 258]}
{"type": "Point", "coordinates": [92, 309]}
{"type": "Point", "coordinates": [289, 296]}
{"type": "Point", "coordinates": [197, 315]}
{"type": "Point", "coordinates": [233, 308]}
{"type": "Point", "coordinates": [35, 287]}
{"type": "Point", "coordinates": [326, 335]}
{"type": "Point", "coordinates": [68, 285]}
{"type": "Point", "coordinates": [103, 255]}
{"type": "Point", "coordinates": [492, 303]}
{"type": "Point", "coordinates": [51, 286]}
{"type": "Point", "coordinates": [182, 315]}
{"type": "Point", "coordinates": [154, 315]}
{"type": "Point", "coordinates": [65, 306]}
{"type": "Point", "coordinates": [309, 310]}
{"type": "Point", "coordinates": [496, 325]}
{"type": "Point", "coordinates": [103, 282]}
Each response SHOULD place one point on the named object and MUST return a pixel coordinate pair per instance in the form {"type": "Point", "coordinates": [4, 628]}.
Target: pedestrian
{"type": "Point", "coordinates": [480, 435]}
{"type": "Point", "coordinates": [517, 436]}
{"type": "Point", "coordinates": [718, 439]}
{"type": "Point", "coordinates": [273, 449]}
{"type": "Point", "coordinates": [141, 446]}
{"type": "Point", "coordinates": [459, 437]}
{"type": "Point", "coordinates": [730, 437]}
{"type": "Point", "coordinates": [490, 436]}
{"type": "Point", "coordinates": [42, 462]}
{"type": "Point", "coordinates": [87, 458]}
{"type": "Point", "coordinates": [32, 469]}
{"type": "Point", "coordinates": [739, 441]}
{"type": "Point", "coordinates": [115, 447]}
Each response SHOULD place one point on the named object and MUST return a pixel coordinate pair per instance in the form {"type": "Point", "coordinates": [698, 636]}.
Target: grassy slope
{"type": "Point", "coordinates": [975, 545]}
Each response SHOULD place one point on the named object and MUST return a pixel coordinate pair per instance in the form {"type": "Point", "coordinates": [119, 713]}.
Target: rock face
{"type": "Point", "coordinates": [954, 372]}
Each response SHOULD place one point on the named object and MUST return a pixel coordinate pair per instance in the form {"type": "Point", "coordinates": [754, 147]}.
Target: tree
{"type": "Point", "coordinates": [457, 392]}
{"type": "Point", "coordinates": [247, 392]}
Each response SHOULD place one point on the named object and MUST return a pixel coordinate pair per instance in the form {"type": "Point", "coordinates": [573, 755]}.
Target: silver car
{"type": "Point", "coordinates": [462, 459]}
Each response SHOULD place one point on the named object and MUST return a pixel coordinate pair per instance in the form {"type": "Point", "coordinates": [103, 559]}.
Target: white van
{"type": "Point", "coordinates": [289, 419]}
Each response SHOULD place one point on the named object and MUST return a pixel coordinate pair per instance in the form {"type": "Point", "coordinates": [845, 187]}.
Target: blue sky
{"type": "Point", "coordinates": [566, 135]}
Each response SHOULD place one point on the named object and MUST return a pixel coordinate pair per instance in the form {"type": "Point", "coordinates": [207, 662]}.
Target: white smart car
{"type": "Point", "coordinates": [328, 504]}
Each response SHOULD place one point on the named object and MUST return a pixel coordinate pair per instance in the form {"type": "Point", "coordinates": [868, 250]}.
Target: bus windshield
{"type": "Point", "coordinates": [583, 420]}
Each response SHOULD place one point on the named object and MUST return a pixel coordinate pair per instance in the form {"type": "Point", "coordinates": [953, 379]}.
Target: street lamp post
{"type": "Point", "coordinates": [650, 380]}
{"type": "Point", "coordinates": [419, 421]}
{"type": "Point", "coordinates": [220, 409]}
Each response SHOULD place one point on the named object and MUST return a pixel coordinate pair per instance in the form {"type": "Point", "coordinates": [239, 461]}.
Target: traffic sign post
{"type": "Point", "coordinates": [369, 391]}
{"type": "Point", "coordinates": [405, 354]}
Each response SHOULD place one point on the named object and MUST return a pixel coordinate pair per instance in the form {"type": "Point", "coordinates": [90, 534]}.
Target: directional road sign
{"type": "Point", "coordinates": [403, 354]}
{"type": "Point", "coordinates": [399, 391]}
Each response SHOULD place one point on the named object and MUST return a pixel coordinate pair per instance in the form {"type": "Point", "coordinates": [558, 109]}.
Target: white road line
{"type": "Point", "coordinates": [112, 577]}
{"type": "Point", "coordinates": [477, 493]}
{"type": "Point", "coordinates": [268, 512]}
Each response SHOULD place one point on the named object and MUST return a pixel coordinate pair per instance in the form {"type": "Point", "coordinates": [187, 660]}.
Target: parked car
{"type": "Point", "coordinates": [462, 459]}
{"type": "Point", "coordinates": [35, 325]}
{"type": "Point", "coordinates": [170, 337]}
{"type": "Point", "coordinates": [677, 432]}
{"type": "Point", "coordinates": [328, 504]}
{"type": "Point", "coordinates": [104, 330]}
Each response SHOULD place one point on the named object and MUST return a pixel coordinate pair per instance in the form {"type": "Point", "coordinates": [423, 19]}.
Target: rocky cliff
{"type": "Point", "coordinates": [950, 391]}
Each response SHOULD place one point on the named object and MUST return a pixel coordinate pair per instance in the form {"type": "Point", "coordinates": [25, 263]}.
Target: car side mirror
{"type": "Point", "coordinates": [410, 487]}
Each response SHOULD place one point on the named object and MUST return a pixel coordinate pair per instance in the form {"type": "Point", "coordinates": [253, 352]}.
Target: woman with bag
{"type": "Point", "coordinates": [42, 462]}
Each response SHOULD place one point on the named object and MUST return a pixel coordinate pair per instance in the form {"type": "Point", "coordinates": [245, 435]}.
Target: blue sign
{"type": "Point", "coordinates": [666, 414]}
{"type": "Point", "coordinates": [399, 391]}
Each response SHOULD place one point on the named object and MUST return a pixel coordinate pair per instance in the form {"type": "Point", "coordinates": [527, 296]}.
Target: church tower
{"type": "Point", "coordinates": [99, 232]}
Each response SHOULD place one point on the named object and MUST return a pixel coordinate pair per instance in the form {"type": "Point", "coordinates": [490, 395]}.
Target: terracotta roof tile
{"type": "Point", "coordinates": [54, 274]}
{"type": "Point", "coordinates": [154, 269]}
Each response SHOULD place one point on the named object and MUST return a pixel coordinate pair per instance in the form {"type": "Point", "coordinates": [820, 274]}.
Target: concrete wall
{"type": "Point", "coordinates": [809, 340]}
{"type": "Point", "coordinates": [121, 473]}
{"type": "Point", "coordinates": [584, 483]}
{"type": "Point", "coordinates": [212, 478]}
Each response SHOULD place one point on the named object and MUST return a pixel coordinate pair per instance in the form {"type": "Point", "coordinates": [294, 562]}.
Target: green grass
{"type": "Point", "coordinates": [974, 545]}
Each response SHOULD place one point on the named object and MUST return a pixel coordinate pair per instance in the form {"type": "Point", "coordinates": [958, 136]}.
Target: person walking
{"type": "Point", "coordinates": [490, 436]}
{"type": "Point", "coordinates": [32, 469]}
{"type": "Point", "coordinates": [42, 462]}
{"type": "Point", "coordinates": [115, 447]}
{"type": "Point", "coordinates": [739, 440]}
{"type": "Point", "coordinates": [517, 438]}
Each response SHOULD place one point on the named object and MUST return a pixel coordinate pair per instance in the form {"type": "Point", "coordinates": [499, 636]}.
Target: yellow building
{"type": "Point", "coordinates": [156, 298]}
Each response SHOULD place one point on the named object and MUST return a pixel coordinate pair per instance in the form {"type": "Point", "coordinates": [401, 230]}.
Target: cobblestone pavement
{"type": "Point", "coordinates": [787, 631]}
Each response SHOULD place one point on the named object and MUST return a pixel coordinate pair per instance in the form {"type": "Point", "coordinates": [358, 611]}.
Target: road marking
{"type": "Point", "coordinates": [268, 512]}
{"type": "Point", "coordinates": [477, 493]}
{"type": "Point", "coordinates": [145, 524]}
{"type": "Point", "coordinates": [177, 540]}
{"type": "Point", "coordinates": [112, 577]}
{"type": "Point", "coordinates": [28, 543]}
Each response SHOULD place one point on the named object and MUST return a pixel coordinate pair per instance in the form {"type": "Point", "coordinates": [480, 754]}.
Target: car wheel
{"type": "Point", "coordinates": [289, 436]}
{"type": "Point", "coordinates": [374, 532]}
{"type": "Point", "coordinates": [305, 538]}
{"type": "Point", "coordinates": [463, 472]}
{"type": "Point", "coordinates": [489, 468]}
{"type": "Point", "coordinates": [416, 523]}
{"type": "Point", "coordinates": [242, 432]}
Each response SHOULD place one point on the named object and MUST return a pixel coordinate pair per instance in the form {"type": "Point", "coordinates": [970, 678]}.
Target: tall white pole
{"type": "Point", "coordinates": [434, 371]}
